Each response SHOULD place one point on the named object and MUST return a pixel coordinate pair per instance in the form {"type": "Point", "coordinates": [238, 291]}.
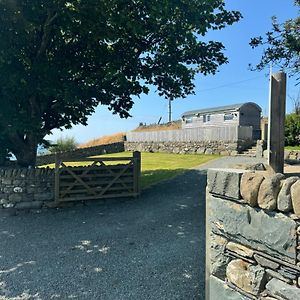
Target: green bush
{"type": "Point", "coordinates": [63, 145]}
{"type": "Point", "coordinates": [292, 129]}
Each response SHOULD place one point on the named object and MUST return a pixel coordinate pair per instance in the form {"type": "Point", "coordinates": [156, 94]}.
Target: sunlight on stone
{"type": "Point", "coordinates": [55, 296]}
{"type": "Point", "coordinates": [17, 267]}
{"type": "Point", "coordinates": [182, 206]}
{"type": "Point", "coordinates": [98, 270]}
{"type": "Point", "coordinates": [187, 275]}
{"type": "Point", "coordinates": [7, 233]}
{"type": "Point", "coordinates": [104, 249]}
{"type": "Point", "coordinates": [86, 243]}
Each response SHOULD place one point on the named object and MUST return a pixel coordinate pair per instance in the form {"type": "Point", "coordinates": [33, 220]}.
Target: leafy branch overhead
{"type": "Point", "coordinates": [60, 59]}
{"type": "Point", "coordinates": [283, 46]}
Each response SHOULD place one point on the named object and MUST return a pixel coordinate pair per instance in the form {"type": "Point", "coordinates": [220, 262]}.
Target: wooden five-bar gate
{"type": "Point", "coordinates": [105, 177]}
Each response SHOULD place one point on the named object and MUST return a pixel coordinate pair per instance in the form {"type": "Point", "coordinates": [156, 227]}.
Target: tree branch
{"type": "Point", "coordinates": [46, 32]}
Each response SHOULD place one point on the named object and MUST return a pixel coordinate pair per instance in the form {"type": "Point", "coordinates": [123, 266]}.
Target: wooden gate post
{"type": "Point", "coordinates": [276, 122]}
{"type": "Point", "coordinates": [137, 172]}
{"type": "Point", "coordinates": [56, 178]}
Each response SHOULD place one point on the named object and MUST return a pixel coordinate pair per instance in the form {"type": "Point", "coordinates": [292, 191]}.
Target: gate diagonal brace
{"type": "Point", "coordinates": [111, 172]}
{"type": "Point", "coordinates": [91, 190]}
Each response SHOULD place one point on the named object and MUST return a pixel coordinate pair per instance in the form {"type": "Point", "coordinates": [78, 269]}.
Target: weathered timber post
{"type": "Point", "coordinates": [276, 122]}
{"type": "Point", "coordinates": [56, 176]}
{"type": "Point", "coordinates": [136, 172]}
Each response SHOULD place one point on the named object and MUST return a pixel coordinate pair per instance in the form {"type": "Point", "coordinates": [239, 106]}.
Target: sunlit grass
{"type": "Point", "coordinates": [292, 147]}
{"type": "Point", "coordinates": [157, 166]}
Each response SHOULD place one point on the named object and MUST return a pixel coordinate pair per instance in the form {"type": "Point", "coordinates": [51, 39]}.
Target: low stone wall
{"type": "Point", "coordinates": [26, 188]}
{"type": "Point", "coordinates": [82, 152]}
{"type": "Point", "coordinates": [253, 236]}
{"type": "Point", "coordinates": [201, 147]}
{"type": "Point", "coordinates": [292, 155]}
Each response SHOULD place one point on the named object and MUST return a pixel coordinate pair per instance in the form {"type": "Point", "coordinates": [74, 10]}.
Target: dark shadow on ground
{"type": "Point", "coordinates": [151, 247]}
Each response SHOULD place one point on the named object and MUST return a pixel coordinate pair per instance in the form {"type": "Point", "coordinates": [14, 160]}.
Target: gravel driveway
{"type": "Point", "coordinates": [147, 248]}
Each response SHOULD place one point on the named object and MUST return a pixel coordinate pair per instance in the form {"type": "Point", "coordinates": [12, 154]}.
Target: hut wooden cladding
{"type": "Point", "coordinates": [105, 177]}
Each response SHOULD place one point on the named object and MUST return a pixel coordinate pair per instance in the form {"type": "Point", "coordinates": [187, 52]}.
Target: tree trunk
{"type": "Point", "coordinates": [25, 149]}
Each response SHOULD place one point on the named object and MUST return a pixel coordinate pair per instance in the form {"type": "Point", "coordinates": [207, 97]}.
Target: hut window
{"type": "Point", "coordinates": [188, 120]}
{"type": "Point", "coordinates": [206, 118]}
{"type": "Point", "coordinates": [228, 117]}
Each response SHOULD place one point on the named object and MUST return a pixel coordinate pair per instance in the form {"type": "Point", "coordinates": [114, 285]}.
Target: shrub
{"type": "Point", "coordinates": [292, 129]}
{"type": "Point", "coordinates": [63, 145]}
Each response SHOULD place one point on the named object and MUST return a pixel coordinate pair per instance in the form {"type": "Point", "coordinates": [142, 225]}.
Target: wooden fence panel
{"type": "Point", "coordinates": [211, 133]}
{"type": "Point", "coordinates": [98, 180]}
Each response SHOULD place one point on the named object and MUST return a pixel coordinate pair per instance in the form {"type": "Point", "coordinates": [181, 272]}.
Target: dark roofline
{"type": "Point", "coordinates": [232, 107]}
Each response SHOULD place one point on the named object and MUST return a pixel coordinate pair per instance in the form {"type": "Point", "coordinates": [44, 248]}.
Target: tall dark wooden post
{"type": "Point", "coordinates": [276, 122]}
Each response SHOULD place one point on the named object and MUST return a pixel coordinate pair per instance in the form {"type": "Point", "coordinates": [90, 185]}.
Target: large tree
{"type": "Point", "coordinates": [282, 46]}
{"type": "Point", "coordinates": [60, 59]}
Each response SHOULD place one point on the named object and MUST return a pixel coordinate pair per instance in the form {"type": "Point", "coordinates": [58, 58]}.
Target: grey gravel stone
{"type": "Point", "coordinates": [220, 290]}
{"type": "Point", "coordinates": [268, 192]}
{"type": "Point", "coordinates": [266, 262]}
{"type": "Point", "coordinates": [225, 182]}
{"type": "Point", "coordinates": [274, 234]}
{"type": "Point", "coordinates": [284, 200]}
{"type": "Point", "coordinates": [29, 205]}
{"type": "Point", "coordinates": [15, 198]}
{"type": "Point", "coordinates": [218, 260]}
{"type": "Point", "coordinates": [279, 288]}
{"type": "Point", "coordinates": [274, 274]}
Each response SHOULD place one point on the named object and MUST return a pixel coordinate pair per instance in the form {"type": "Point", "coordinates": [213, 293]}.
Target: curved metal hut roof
{"type": "Point", "coordinates": [226, 108]}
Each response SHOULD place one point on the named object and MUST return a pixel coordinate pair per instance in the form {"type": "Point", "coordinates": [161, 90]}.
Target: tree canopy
{"type": "Point", "coordinates": [60, 59]}
{"type": "Point", "coordinates": [283, 46]}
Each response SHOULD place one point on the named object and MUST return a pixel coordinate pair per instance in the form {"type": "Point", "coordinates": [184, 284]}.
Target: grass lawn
{"type": "Point", "coordinates": [160, 166]}
{"type": "Point", "coordinates": [292, 147]}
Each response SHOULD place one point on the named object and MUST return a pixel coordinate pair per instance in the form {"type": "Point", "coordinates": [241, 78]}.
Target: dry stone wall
{"type": "Point", "coordinates": [253, 235]}
{"type": "Point", "coordinates": [26, 188]}
{"type": "Point", "coordinates": [82, 152]}
{"type": "Point", "coordinates": [201, 147]}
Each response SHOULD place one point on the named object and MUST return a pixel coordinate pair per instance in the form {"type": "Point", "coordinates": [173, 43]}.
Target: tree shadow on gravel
{"type": "Point", "coordinates": [151, 247]}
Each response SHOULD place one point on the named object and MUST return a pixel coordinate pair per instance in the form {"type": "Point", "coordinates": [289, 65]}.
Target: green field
{"type": "Point", "coordinates": [159, 166]}
{"type": "Point", "coordinates": [292, 147]}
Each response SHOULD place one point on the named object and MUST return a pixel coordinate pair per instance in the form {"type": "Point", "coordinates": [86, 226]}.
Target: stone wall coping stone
{"type": "Point", "coordinates": [225, 182]}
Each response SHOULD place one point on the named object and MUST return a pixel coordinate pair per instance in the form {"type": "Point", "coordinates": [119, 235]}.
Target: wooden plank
{"type": "Point", "coordinates": [101, 175]}
{"type": "Point", "coordinates": [99, 189]}
{"type": "Point", "coordinates": [137, 171]}
{"type": "Point", "coordinates": [56, 179]}
{"type": "Point", "coordinates": [97, 182]}
{"type": "Point", "coordinates": [114, 180]}
{"type": "Point", "coordinates": [97, 197]}
{"type": "Point", "coordinates": [89, 159]}
{"type": "Point", "coordinates": [99, 168]}
{"type": "Point", "coordinates": [77, 178]}
{"type": "Point", "coordinates": [84, 173]}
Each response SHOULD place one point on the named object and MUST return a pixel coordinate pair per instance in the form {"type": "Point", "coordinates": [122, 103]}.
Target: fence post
{"type": "Point", "coordinates": [136, 172]}
{"type": "Point", "coordinates": [56, 180]}
{"type": "Point", "coordinates": [276, 122]}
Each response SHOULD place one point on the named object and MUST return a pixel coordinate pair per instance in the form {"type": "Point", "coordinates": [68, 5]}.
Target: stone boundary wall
{"type": "Point", "coordinates": [26, 188]}
{"type": "Point", "coordinates": [82, 152]}
{"type": "Point", "coordinates": [253, 236]}
{"type": "Point", "coordinates": [292, 155]}
{"type": "Point", "coordinates": [201, 147]}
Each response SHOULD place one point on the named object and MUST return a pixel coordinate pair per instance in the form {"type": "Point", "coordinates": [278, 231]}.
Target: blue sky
{"type": "Point", "coordinates": [234, 83]}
